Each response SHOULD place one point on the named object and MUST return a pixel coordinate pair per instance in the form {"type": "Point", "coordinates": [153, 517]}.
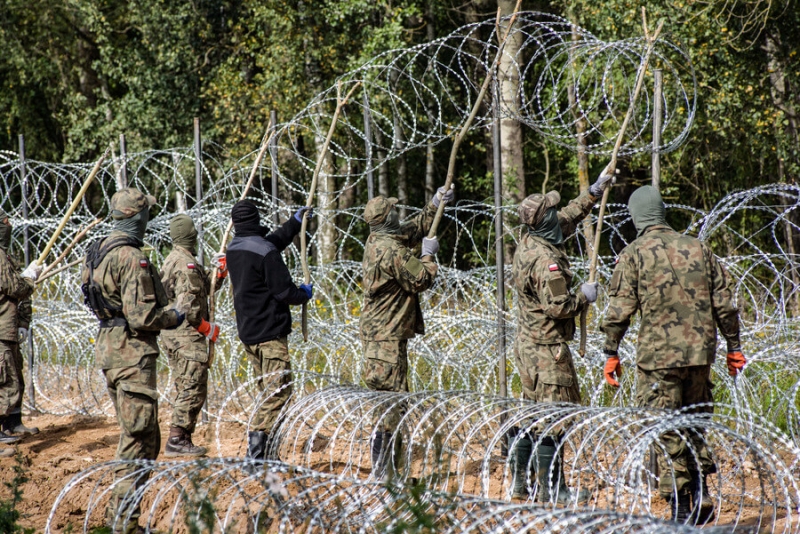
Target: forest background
{"type": "Point", "coordinates": [76, 74]}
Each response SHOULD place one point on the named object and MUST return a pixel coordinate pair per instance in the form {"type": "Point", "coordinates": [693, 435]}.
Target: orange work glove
{"type": "Point", "coordinates": [210, 330]}
{"type": "Point", "coordinates": [612, 366]}
{"type": "Point", "coordinates": [736, 362]}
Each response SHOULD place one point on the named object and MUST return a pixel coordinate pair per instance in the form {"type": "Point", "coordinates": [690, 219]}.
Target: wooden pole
{"type": "Point", "coordinates": [340, 103]}
{"type": "Point", "coordinates": [612, 167]}
{"type": "Point", "coordinates": [451, 166]}
{"type": "Point", "coordinates": [498, 244]}
{"type": "Point", "coordinates": [273, 157]}
{"type": "Point", "coordinates": [80, 235]}
{"type": "Point", "coordinates": [658, 107]}
{"type": "Point", "coordinates": [72, 207]}
{"type": "Point", "coordinates": [123, 170]}
{"type": "Point", "coordinates": [223, 244]}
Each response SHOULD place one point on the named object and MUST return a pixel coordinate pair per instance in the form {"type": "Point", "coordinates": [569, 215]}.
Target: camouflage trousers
{"type": "Point", "coordinates": [687, 453]}
{"type": "Point", "coordinates": [267, 358]}
{"type": "Point", "coordinates": [547, 374]}
{"type": "Point", "coordinates": [12, 381]}
{"type": "Point", "coordinates": [135, 397]}
{"type": "Point", "coordinates": [188, 359]}
{"type": "Point", "coordinates": [386, 369]}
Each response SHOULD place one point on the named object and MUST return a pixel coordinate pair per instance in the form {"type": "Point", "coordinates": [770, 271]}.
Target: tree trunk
{"type": "Point", "coordinates": [326, 191]}
{"type": "Point", "coordinates": [510, 129]}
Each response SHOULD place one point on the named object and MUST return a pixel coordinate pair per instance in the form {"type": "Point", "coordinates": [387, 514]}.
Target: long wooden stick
{"type": "Point", "coordinates": [80, 235]}
{"type": "Point", "coordinates": [223, 242]}
{"type": "Point", "coordinates": [451, 165]}
{"type": "Point", "coordinates": [72, 207]}
{"type": "Point", "coordinates": [340, 103]}
{"type": "Point", "coordinates": [611, 168]}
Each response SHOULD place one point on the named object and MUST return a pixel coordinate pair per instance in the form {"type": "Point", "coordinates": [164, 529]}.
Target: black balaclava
{"type": "Point", "coordinates": [5, 231]}
{"type": "Point", "coordinates": [247, 220]}
{"type": "Point", "coordinates": [135, 225]}
{"type": "Point", "coordinates": [390, 225]}
{"type": "Point", "coordinates": [549, 228]}
{"type": "Point", "coordinates": [183, 232]}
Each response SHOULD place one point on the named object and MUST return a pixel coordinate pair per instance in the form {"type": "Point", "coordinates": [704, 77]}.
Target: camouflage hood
{"type": "Point", "coordinates": [646, 208]}
{"type": "Point", "coordinates": [5, 231]}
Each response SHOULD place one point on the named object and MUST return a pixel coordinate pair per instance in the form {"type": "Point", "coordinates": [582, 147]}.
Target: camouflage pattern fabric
{"type": "Point", "coordinates": [385, 369]}
{"type": "Point", "coordinates": [270, 357]}
{"type": "Point", "coordinates": [15, 292]}
{"type": "Point", "coordinates": [12, 382]}
{"type": "Point", "coordinates": [547, 373]}
{"type": "Point", "coordinates": [133, 391]}
{"type": "Point", "coordinates": [393, 278]}
{"type": "Point", "coordinates": [188, 359]}
{"type": "Point", "coordinates": [541, 275]}
{"type": "Point", "coordinates": [187, 349]}
{"type": "Point", "coordinates": [128, 279]}
{"type": "Point", "coordinates": [683, 295]}
{"type": "Point", "coordinates": [682, 457]}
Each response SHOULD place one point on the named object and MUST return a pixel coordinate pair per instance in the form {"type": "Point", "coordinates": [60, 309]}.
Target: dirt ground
{"type": "Point", "coordinates": [67, 445]}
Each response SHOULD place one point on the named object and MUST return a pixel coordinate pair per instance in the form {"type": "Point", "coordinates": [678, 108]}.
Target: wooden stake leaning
{"type": "Point", "coordinates": [80, 235]}
{"type": "Point", "coordinates": [223, 242]}
{"type": "Point", "coordinates": [612, 167]}
{"type": "Point", "coordinates": [340, 103]}
{"type": "Point", "coordinates": [72, 207]}
{"type": "Point", "coordinates": [451, 165]}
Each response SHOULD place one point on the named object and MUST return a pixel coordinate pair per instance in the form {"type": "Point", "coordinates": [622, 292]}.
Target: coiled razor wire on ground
{"type": "Point", "coordinates": [229, 495]}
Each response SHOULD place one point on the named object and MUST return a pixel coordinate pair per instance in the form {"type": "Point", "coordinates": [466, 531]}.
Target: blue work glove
{"type": "Point", "coordinates": [429, 247]}
{"type": "Point", "coordinates": [441, 193]}
{"type": "Point", "coordinates": [590, 291]}
{"type": "Point", "coordinates": [602, 182]}
{"type": "Point", "coordinates": [308, 288]}
{"type": "Point", "coordinates": [298, 215]}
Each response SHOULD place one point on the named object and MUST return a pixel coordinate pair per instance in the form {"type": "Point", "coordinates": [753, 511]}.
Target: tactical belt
{"type": "Point", "coordinates": [116, 321]}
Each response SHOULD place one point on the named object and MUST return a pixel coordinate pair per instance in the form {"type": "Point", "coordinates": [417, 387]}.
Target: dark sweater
{"type": "Point", "coordinates": [262, 285]}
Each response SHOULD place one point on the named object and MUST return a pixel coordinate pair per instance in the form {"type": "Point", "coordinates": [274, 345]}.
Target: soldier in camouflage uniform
{"type": "Point", "coordinates": [683, 294]}
{"type": "Point", "coordinates": [124, 290]}
{"type": "Point", "coordinates": [15, 317]}
{"type": "Point", "coordinates": [391, 315]}
{"type": "Point", "coordinates": [546, 319]}
{"type": "Point", "coordinates": [186, 345]}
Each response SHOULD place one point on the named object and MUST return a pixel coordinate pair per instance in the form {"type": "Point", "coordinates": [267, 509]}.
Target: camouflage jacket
{"type": "Point", "coordinates": [541, 275]}
{"type": "Point", "coordinates": [182, 275]}
{"type": "Point", "coordinates": [15, 304]}
{"type": "Point", "coordinates": [129, 280]}
{"type": "Point", "coordinates": [393, 278]}
{"type": "Point", "coordinates": [683, 295]}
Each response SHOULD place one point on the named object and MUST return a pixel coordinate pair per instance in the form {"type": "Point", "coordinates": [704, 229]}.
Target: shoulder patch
{"type": "Point", "coordinates": [190, 265]}
{"type": "Point", "coordinates": [414, 266]}
{"type": "Point", "coordinates": [557, 286]}
{"type": "Point", "coordinates": [143, 263]}
{"type": "Point", "coordinates": [553, 267]}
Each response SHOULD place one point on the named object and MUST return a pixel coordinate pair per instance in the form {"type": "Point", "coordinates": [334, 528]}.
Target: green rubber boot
{"type": "Point", "coordinates": [550, 475]}
{"type": "Point", "coordinates": [521, 466]}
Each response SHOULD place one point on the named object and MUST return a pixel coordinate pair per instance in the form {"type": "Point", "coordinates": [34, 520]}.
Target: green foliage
{"type": "Point", "coordinates": [9, 514]}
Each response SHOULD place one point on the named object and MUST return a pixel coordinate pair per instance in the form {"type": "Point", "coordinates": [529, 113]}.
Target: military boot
{"type": "Point", "coordinates": [550, 475]}
{"type": "Point", "coordinates": [521, 467]}
{"type": "Point", "coordinates": [256, 445]}
{"type": "Point", "coordinates": [681, 506]}
{"type": "Point", "coordinates": [180, 443]}
{"type": "Point", "coordinates": [13, 424]}
{"type": "Point", "coordinates": [380, 453]}
{"type": "Point", "coordinates": [702, 503]}
{"type": "Point", "coordinates": [5, 438]}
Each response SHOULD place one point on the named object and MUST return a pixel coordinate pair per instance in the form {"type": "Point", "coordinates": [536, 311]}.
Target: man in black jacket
{"type": "Point", "coordinates": [263, 290]}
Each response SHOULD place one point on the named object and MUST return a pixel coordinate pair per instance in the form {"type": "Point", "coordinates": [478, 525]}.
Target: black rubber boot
{"type": "Point", "coordinates": [550, 475]}
{"type": "Point", "coordinates": [702, 503]}
{"type": "Point", "coordinates": [681, 506]}
{"type": "Point", "coordinates": [380, 453]}
{"type": "Point", "coordinates": [5, 438]}
{"type": "Point", "coordinates": [521, 467]}
{"type": "Point", "coordinates": [13, 424]}
{"type": "Point", "coordinates": [180, 443]}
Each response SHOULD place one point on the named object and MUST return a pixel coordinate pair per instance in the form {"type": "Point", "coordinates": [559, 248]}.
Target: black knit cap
{"type": "Point", "coordinates": [245, 212]}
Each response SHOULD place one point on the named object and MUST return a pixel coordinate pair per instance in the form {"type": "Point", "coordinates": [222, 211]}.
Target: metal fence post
{"type": "Point", "coordinates": [27, 254]}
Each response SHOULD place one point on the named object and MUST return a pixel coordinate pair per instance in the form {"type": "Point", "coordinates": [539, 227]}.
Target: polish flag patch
{"type": "Point", "coordinates": [190, 265]}
{"type": "Point", "coordinates": [143, 264]}
{"type": "Point", "coordinates": [553, 267]}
